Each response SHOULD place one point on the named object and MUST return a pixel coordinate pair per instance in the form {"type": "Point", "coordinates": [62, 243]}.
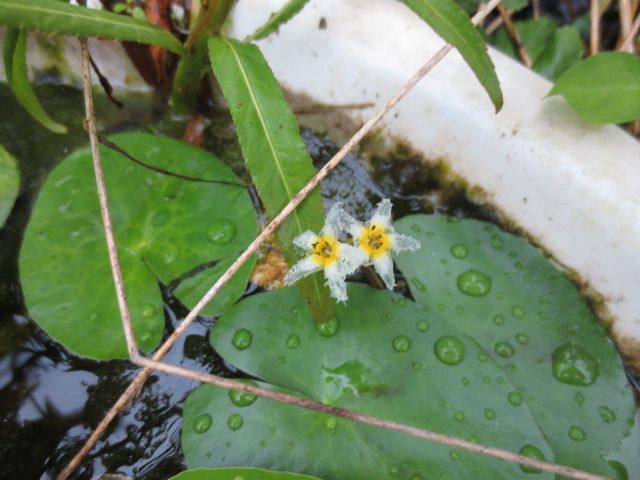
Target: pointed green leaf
{"type": "Point", "coordinates": [164, 227]}
{"type": "Point", "coordinates": [53, 16]}
{"type": "Point", "coordinates": [238, 474]}
{"type": "Point", "coordinates": [9, 183]}
{"type": "Point", "coordinates": [523, 312]}
{"type": "Point", "coordinates": [604, 88]}
{"type": "Point", "coordinates": [273, 149]}
{"type": "Point", "coordinates": [15, 65]}
{"type": "Point", "coordinates": [563, 51]}
{"type": "Point", "coordinates": [450, 22]}
{"type": "Point", "coordinates": [383, 360]}
{"type": "Point", "coordinates": [277, 19]}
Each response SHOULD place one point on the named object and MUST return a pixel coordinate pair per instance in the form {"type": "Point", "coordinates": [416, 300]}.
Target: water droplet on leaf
{"type": "Point", "coordinates": [329, 328]}
{"type": "Point", "coordinates": [522, 339]}
{"type": "Point", "coordinates": [422, 325]}
{"type": "Point", "coordinates": [496, 242]}
{"type": "Point", "coordinates": [418, 284]}
{"type": "Point", "coordinates": [401, 343]}
{"type": "Point", "coordinates": [242, 339]}
{"type": "Point", "coordinates": [459, 251]}
{"type": "Point", "coordinates": [504, 349]}
{"type": "Point", "coordinates": [331, 423]}
{"type": "Point", "coordinates": [577, 434]}
{"type": "Point", "coordinates": [515, 398]}
{"type": "Point", "coordinates": [293, 341]}
{"type": "Point", "coordinates": [573, 365]}
{"type": "Point", "coordinates": [220, 231]}
{"type": "Point", "coordinates": [498, 320]}
{"type": "Point", "coordinates": [449, 350]}
{"type": "Point", "coordinates": [148, 310]}
{"type": "Point", "coordinates": [517, 311]}
{"type": "Point", "coordinates": [489, 414]}
{"type": "Point", "coordinates": [474, 283]}
{"type": "Point", "coordinates": [531, 452]}
{"type": "Point", "coordinates": [202, 423]}
{"type": "Point", "coordinates": [235, 422]}
{"type": "Point", "coordinates": [242, 399]}
{"type": "Point", "coordinates": [606, 414]}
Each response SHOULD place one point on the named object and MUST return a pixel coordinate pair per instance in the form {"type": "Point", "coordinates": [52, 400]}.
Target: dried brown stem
{"type": "Point", "coordinates": [515, 36]}
{"type": "Point", "coordinates": [369, 420]}
{"type": "Point", "coordinates": [627, 44]}
{"type": "Point", "coordinates": [595, 27]}
{"type": "Point", "coordinates": [90, 125]}
{"type": "Point", "coordinates": [625, 13]}
{"type": "Point", "coordinates": [537, 9]}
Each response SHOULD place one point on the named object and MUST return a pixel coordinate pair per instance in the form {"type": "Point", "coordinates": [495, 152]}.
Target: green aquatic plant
{"type": "Point", "coordinates": [9, 184]}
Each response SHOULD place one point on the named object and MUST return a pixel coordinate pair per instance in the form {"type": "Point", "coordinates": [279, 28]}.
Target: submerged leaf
{"type": "Point", "coordinates": [534, 323]}
{"type": "Point", "coordinates": [277, 19]}
{"type": "Point", "coordinates": [450, 22]}
{"type": "Point", "coordinates": [15, 64]}
{"type": "Point", "coordinates": [9, 183]}
{"type": "Point", "coordinates": [273, 150]}
{"type": "Point", "coordinates": [164, 227]}
{"type": "Point", "coordinates": [387, 357]}
{"type": "Point", "coordinates": [53, 16]}
{"type": "Point", "coordinates": [604, 88]}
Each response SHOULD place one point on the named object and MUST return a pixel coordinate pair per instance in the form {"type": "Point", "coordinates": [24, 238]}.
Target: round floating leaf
{"type": "Point", "coordinates": [387, 358]}
{"type": "Point", "coordinates": [535, 324]}
{"type": "Point", "coordinates": [238, 474]}
{"type": "Point", "coordinates": [164, 226]}
{"type": "Point", "coordinates": [9, 183]}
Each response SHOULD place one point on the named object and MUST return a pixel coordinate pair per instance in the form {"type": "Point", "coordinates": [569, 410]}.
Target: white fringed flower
{"type": "Point", "coordinates": [327, 253]}
{"type": "Point", "coordinates": [377, 239]}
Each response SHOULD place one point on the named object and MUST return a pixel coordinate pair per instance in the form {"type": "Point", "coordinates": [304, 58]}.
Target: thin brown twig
{"type": "Point", "coordinates": [495, 24]}
{"type": "Point", "coordinates": [369, 420]}
{"type": "Point", "coordinates": [90, 125]}
{"type": "Point", "coordinates": [594, 38]}
{"type": "Point", "coordinates": [515, 35]}
{"type": "Point", "coordinates": [135, 386]}
{"type": "Point", "coordinates": [627, 44]}
{"type": "Point", "coordinates": [626, 16]}
{"type": "Point", "coordinates": [116, 148]}
{"type": "Point", "coordinates": [537, 9]}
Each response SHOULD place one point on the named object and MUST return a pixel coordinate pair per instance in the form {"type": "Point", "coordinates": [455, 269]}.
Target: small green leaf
{"type": "Point", "coordinates": [604, 88]}
{"type": "Point", "coordinates": [536, 35]}
{"type": "Point", "coordinates": [277, 19]}
{"type": "Point", "coordinates": [238, 473]}
{"type": "Point", "coordinates": [515, 5]}
{"type": "Point", "coordinates": [533, 322]}
{"type": "Point", "coordinates": [563, 51]}
{"type": "Point", "coordinates": [15, 64]}
{"type": "Point", "coordinates": [454, 26]}
{"type": "Point", "coordinates": [389, 358]}
{"type": "Point", "coordinates": [9, 183]}
{"type": "Point", "coordinates": [273, 150]}
{"type": "Point", "coordinates": [53, 16]}
{"type": "Point", "coordinates": [164, 227]}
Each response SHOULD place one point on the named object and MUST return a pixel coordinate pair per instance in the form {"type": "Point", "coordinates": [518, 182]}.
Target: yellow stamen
{"type": "Point", "coordinates": [325, 250]}
{"type": "Point", "coordinates": [374, 240]}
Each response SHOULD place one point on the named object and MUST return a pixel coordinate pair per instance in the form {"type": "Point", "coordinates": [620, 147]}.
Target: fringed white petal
{"type": "Point", "coordinates": [332, 224]}
{"type": "Point", "coordinates": [304, 267]}
{"type": "Point", "coordinates": [384, 266]}
{"type": "Point", "coordinates": [382, 215]}
{"type": "Point", "coordinates": [335, 281]}
{"type": "Point", "coordinates": [400, 243]}
{"type": "Point", "coordinates": [351, 258]}
{"type": "Point", "coordinates": [305, 240]}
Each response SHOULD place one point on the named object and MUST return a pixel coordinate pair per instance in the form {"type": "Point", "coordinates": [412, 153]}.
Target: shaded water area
{"type": "Point", "coordinates": [50, 399]}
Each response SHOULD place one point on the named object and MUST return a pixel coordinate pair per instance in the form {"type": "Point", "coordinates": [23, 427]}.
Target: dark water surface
{"type": "Point", "coordinates": [50, 399]}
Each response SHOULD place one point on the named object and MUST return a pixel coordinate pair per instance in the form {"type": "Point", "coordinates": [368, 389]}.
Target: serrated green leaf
{"type": "Point", "coordinates": [524, 313]}
{"type": "Point", "coordinates": [273, 150]}
{"type": "Point", "coordinates": [450, 22]}
{"type": "Point", "coordinates": [15, 65]}
{"type": "Point", "coordinates": [9, 183]}
{"type": "Point", "coordinates": [164, 226]}
{"type": "Point", "coordinates": [563, 51]}
{"type": "Point", "coordinates": [604, 88]}
{"type": "Point", "coordinates": [277, 19]}
{"type": "Point", "coordinates": [382, 361]}
{"type": "Point", "coordinates": [238, 474]}
{"type": "Point", "coordinates": [53, 16]}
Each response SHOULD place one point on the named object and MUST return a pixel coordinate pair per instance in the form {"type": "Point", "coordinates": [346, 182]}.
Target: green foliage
{"type": "Point", "coordinates": [164, 226]}
{"type": "Point", "coordinates": [515, 5]}
{"type": "Point", "coordinates": [15, 65]}
{"type": "Point", "coordinates": [273, 149]}
{"type": "Point", "coordinates": [389, 358]}
{"type": "Point", "coordinates": [563, 51]}
{"type": "Point", "coordinates": [277, 19]}
{"type": "Point", "coordinates": [604, 88]}
{"type": "Point", "coordinates": [454, 26]}
{"type": "Point", "coordinates": [53, 16]}
{"type": "Point", "coordinates": [9, 183]}
{"type": "Point", "coordinates": [238, 474]}
{"type": "Point", "coordinates": [535, 325]}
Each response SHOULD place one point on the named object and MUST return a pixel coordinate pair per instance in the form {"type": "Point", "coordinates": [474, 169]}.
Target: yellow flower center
{"type": "Point", "coordinates": [325, 250]}
{"type": "Point", "coordinates": [374, 240]}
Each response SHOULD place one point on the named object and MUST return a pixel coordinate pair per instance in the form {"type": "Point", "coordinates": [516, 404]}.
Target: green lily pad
{"type": "Point", "coordinates": [534, 323]}
{"type": "Point", "coordinates": [164, 226]}
{"type": "Point", "coordinates": [389, 357]}
{"type": "Point", "coordinates": [238, 474]}
{"type": "Point", "coordinates": [9, 183]}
